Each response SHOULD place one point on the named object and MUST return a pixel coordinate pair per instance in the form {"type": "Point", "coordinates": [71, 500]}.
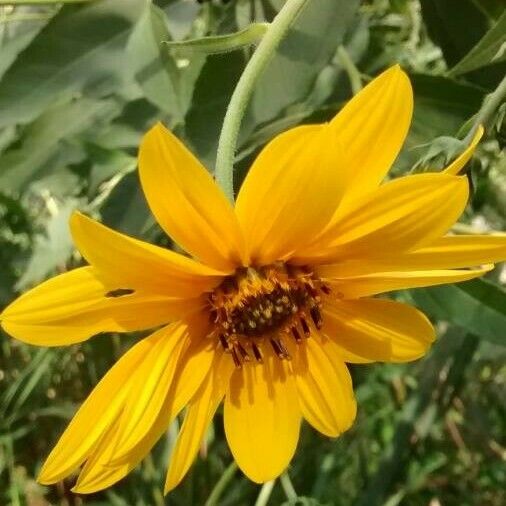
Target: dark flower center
{"type": "Point", "coordinates": [265, 304]}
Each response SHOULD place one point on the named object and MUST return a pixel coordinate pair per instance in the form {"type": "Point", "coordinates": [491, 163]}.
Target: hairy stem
{"type": "Point", "coordinates": [244, 89]}
{"type": "Point", "coordinates": [489, 107]}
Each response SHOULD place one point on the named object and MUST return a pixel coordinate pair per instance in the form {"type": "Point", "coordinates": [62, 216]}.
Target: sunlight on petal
{"type": "Point", "coordinates": [262, 418]}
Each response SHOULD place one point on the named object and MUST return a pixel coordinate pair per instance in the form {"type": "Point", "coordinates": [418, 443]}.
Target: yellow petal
{"type": "Point", "coordinates": [187, 202]}
{"type": "Point", "coordinates": [98, 412]}
{"type": "Point", "coordinates": [378, 330]}
{"type": "Point", "coordinates": [296, 183]}
{"type": "Point", "coordinates": [399, 216]}
{"type": "Point", "coordinates": [138, 264]}
{"type": "Point", "coordinates": [354, 287]}
{"type": "Point", "coordinates": [324, 388]}
{"type": "Point", "coordinates": [290, 192]}
{"type": "Point", "coordinates": [89, 480]}
{"type": "Point", "coordinates": [194, 364]}
{"type": "Point", "coordinates": [372, 127]}
{"type": "Point", "coordinates": [450, 252]}
{"type": "Point", "coordinates": [458, 164]}
{"type": "Point", "coordinates": [262, 418]}
{"type": "Point", "coordinates": [74, 306]}
{"type": "Point", "coordinates": [197, 419]}
{"type": "Point", "coordinates": [334, 349]}
{"type": "Point", "coordinates": [353, 342]}
{"type": "Point", "coordinates": [149, 391]}
{"type": "Point", "coordinates": [455, 251]}
{"type": "Point", "coordinates": [107, 465]}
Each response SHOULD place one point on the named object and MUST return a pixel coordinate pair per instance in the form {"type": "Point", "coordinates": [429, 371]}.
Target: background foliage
{"type": "Point", "coordinates": [81, 82]}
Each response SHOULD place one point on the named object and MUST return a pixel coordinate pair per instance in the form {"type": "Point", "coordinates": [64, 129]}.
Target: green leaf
{"type": "Point", "coordinates": [492, 8]}
{"type": "Point", "coordinates": [126, 131]}
{"type": "Point", "coordinates": [81, 49]}
{"type": "Point", "coordinates": [490, 49]}
{"type": "Point", "coordinates": [210, 100]}
{"type": "Point", "coordinates": [330, 86]}
{"type": "Point", "coordinates": [24, 26]}
{"type": "Point", "coordinates": [441, 107]}
{"type": "Point", "coordinates": [439, 153]}
{"type": "Point", "coordinates": [17, 391]}
{"type": "Point", "coordinates": [305, 51]}
{"type": "Point", "coordinates": [478, 306]}
{"type": "Point", "coordinates": [289, 79]}
{"type": "Point", "coordinates": [163, 83]}
{"type": "Point", "coordinates": [108, 164]}
{"type": "Point", "coordinates": [126, 209]}
{"type": "Point", "coordinates": [183, 18]}
{"type": "Point", "coordinates": [7, 136]}
{"type": "Point", "coordinates": [52, 249]}
{"type": "Point", "coordinates": [41, 151]}
{"type": "Point", "coordinates": [219, 43]}
{"type": "Point", "coordinates": [455, 25]}
{"type": "Point", "coordinates": [44, 2]}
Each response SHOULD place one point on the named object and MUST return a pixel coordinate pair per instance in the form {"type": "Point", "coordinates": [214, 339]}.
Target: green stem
{"type": "Point", "coordinates": [220, 487]}
{"type": "Point", "coordinates": [243, 91]}
{"type": "Point", "coordinates": [287, 485]}
{"type": "Point", "coordinates": [353, 73]}
{"type": "Point", "coordinates": [490, 105]}
{"type": "Point", "coordinates": [265, 493]}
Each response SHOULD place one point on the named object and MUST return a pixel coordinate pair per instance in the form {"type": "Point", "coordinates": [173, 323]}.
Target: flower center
{"type": "Point", "coordinates": [258, 305]}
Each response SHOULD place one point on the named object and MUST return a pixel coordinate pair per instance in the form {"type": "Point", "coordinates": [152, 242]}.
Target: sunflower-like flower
{"type": "Point", "coordinates": [275, 297]}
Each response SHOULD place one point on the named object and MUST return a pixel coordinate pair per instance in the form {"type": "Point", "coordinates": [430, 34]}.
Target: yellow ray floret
{"type": "Point", "coordinates": [274, 300]}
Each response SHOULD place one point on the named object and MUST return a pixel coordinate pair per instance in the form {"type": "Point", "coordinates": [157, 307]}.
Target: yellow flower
{"type": "Point", "coordinates": [276, 298]}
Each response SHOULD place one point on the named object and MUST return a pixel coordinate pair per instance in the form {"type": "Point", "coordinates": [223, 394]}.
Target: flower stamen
{"type": "Point", "coordinates": [265, 305]}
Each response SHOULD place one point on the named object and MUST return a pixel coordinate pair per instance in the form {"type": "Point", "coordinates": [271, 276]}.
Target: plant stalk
{"type": "Point", "coordinates": [287, 485]}
{"type": "Point", "coordinates": [489, 107]}
{"type": "Point", "coordinates": [351, 70]}
{"type": "Point", "coordinates": [221, 485]}
{"type": "Point", "coordinates": [265, 493]}
{"type": "Point", "coordinates": [240, 98]}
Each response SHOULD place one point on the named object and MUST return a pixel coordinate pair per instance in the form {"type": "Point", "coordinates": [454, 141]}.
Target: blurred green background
{"type": "Point", "coordinates": [81, 82]}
